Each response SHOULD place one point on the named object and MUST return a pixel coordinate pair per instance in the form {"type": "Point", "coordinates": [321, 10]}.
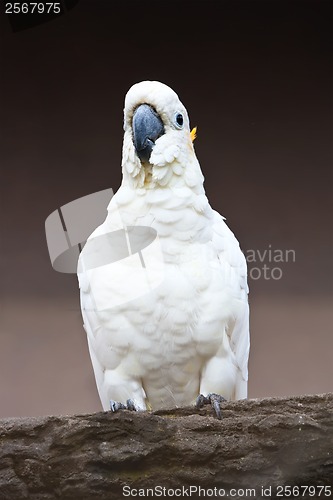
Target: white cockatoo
{"type": "Point", "coordinates": [167, 315]}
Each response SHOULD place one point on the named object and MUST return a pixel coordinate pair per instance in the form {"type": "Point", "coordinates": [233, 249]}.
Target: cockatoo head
{"type": "Point", "coordinates": [157, 147]}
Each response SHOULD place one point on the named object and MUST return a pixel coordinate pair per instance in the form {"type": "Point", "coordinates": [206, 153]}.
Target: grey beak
{"type": "Point", "coordinates": [147, 127]}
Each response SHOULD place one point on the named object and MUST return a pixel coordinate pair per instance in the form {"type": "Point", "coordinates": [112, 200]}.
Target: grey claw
{"type": "Point", "coordinates": [130, 405]}
{"type": "Point", "coordinates": [216, 405]}
{"type": "Point", "coordinates": [214, 400]}
{"type": "Point", "coordinates": [116, 406]}
{"type": "Point", "coordinates": [201, 401]}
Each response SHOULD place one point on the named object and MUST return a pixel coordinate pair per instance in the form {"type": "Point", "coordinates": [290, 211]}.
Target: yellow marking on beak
{"type": "Point", "coordinates": [193, 133]}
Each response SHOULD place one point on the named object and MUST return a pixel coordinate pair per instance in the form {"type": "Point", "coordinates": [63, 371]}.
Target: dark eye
{"type": "Point", "coordinates": [179, 120]}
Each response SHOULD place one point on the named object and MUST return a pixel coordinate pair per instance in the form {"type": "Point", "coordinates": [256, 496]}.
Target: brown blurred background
{"type": "Point", "coordinates": [256, 78]}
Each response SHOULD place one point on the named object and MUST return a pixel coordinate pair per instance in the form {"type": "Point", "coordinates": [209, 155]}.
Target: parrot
{"type": "Point", "coordinates": [167, 318]}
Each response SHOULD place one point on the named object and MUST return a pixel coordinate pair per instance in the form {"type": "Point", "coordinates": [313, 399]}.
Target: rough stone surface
{"type": "Point", "coordinates": [258, 443]}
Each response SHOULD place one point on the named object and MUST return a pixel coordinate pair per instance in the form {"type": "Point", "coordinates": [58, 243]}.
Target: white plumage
{"type": "Point", "coordinates": [164, 329]}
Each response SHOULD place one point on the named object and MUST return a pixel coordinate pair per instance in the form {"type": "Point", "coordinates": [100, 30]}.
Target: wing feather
{"type": "Point", "coordinates": [233, 259]}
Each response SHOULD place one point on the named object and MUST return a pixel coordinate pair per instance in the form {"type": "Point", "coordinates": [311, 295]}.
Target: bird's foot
{"type": "Point", "coordinates": [212, 399]}
{"type": "Point", "coordinates": [116, 406]}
